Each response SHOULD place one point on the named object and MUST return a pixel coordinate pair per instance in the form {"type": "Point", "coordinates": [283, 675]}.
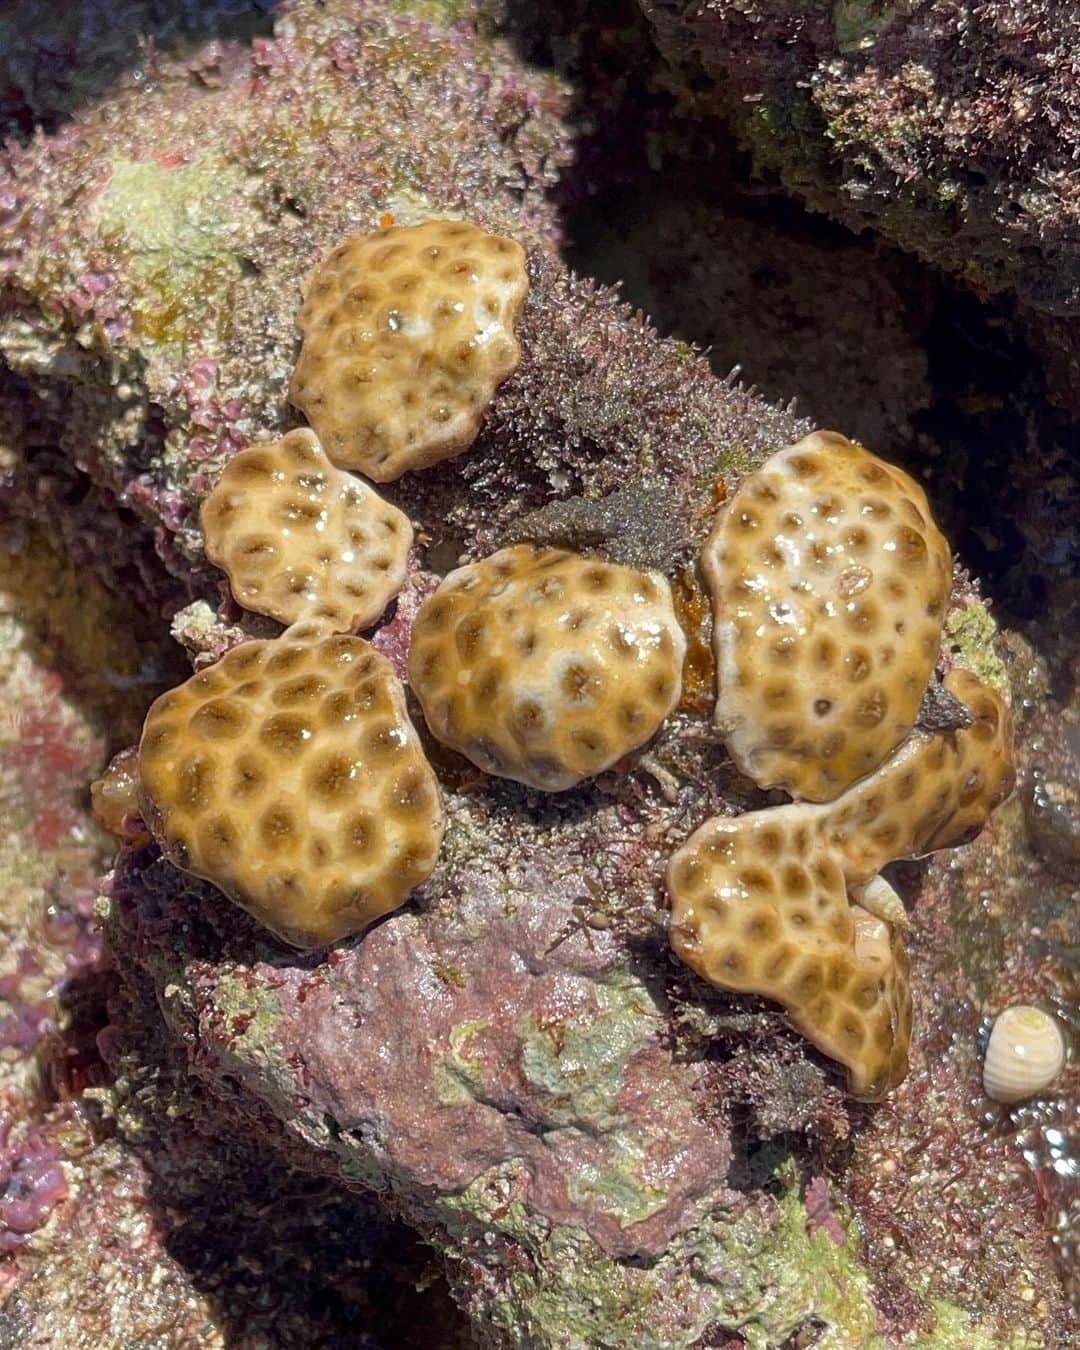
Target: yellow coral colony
{"type": "Point", "coordinates": [288, 773]}
{"type": "Point", "coordinates": [829, 582]}
{"type": "Point", "coordinates": [406, 335]}
{"type": "Point", "coordinates": [299, 539]}
{"type": "Point", "coordinates": [545, 666]}
{"type": "Point", "coordinates": [760, 902]}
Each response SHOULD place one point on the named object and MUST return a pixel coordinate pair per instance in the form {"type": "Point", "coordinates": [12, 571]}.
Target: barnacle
{"type": "Point", "coordinates": [829, 583]}
{"type": "Point", "coordinates": [877, 897]}
{"type": "Point", "coordinates": [407, 334]}
{"type": "Point", "coordinates": [300, 539]}
{"type": "Point", "coordinates": [762, 903]}
{"type": "Point", "coordinates": [289, 775]}
{"type": "Point", "coordinates": [546, 666]}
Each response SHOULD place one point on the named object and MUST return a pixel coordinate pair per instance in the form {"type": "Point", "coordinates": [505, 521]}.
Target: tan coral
{"type": "Point", "coordinates": [937, 791]}
{"type": "Point", "coordinates": [546, 666]}
{"type": "Point", "coordinates": [289, 775]}
{"type": "Point", "coordinates": [760, 906]}
{"type": "Point", "coordinates": [761, 903]}
{"type": "Point", "coordinates": [407, 334]}
{"type": "Point", "coordinates": [829, 582]}
{"type": "Point", "coordinates": [300, 539]}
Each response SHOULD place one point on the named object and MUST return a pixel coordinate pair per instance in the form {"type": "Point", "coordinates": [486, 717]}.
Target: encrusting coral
{"type": "Point", "coordinates": [407, 334]}
{"type": "Point", "coordinates": [300, 539]}
{"type": "Point", "coordinates": [761, 903]}
{"type": "Point", "coordinates": [546, 666]}
{"type": "Point", "coordinates": [289, 775]}
{"type": "Point", "coordinates": [937, 791]}
{"type": "Point", "coordinates": [829, 583]}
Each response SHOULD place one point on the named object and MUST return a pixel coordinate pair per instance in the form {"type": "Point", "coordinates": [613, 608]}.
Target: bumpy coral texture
{"type": "Point", "coordinates": [937, 791]}
{"type": "Point", "coordinates": [829, 582]}
{"type": "Point", "coordinates": [289, 775]}
{"type": "Point", "coordinates": [759, 905]}
{"type": "Point", "coordinates": [546, 666]}
{"type": "Point", "coordinates": [300, 539]}
{"type": "Point", "coordinates": [407, 334]}
{"type": "Point", "coordinates": [760, 902]}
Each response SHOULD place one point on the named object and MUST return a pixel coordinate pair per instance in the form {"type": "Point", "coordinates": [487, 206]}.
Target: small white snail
{"type": "Point", "coordinates": [1024, 1055]}
{"type": "Point", "coordinates": [877, 896]}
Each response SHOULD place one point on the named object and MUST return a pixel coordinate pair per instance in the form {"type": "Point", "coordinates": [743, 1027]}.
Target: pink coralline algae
{"type": "Point", "coordinates": [27, 1022]}
{"type": "Point", "coordinates": [819, 1214]}
{"type": "Point", "coordinates": [33, 1183]}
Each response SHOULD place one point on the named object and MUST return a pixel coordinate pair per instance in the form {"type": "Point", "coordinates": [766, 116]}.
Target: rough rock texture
{"type": "Point", "coordinates": [603, 1151]}
{"type": "Point", "coordinates": [787, 297]}
{"type": "Point", "coordinates": [952, 129]}
{"type": "Point", "coordinates": [151, 332]}
{"type": "Point", "coordinates": [992, 926]}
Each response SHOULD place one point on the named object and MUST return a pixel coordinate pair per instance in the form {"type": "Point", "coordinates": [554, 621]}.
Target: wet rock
{"type": "Point", "coordinates": [504, 1063]}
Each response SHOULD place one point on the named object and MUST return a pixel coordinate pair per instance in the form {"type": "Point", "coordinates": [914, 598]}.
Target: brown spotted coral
{"type": "Point", "coordinates": [289, 775]}
{"type": "Point", "coordinates": [761, 903]}
{"type": "Point", "coordinates": [407, 333]}
{"type": "Point", "coordinates": [829, 582]}
{"type": "Point", "coordinates": [300, 539]}
{"type": "Point", "coordinates": [546, 666]}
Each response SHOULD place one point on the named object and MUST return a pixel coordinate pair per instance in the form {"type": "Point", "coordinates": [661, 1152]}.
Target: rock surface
{"type": "Point", "coordinates": [603, 1151]}
{"type": "Point", "coordinates": [952, 129]}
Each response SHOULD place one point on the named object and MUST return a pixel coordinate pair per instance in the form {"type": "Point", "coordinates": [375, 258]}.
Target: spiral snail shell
{"type": "Point", "coordinates": [1025, 1053]}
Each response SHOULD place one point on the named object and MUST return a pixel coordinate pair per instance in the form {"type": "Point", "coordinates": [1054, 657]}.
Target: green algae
{"type": "Point", "coordinates": [738, 461]}
{"type": "Point", "coordinates": [758, 1272]}
{"type": "Point", "coordinates": [457, 1078]}
{"type": "Point", "coordinates": [617, 1189]}
{"type": "Point", "coordinates": [251, 1013]}
{"type": "Point", "coordinates": [182, 232]}
{"type": "Point", "coordinates": [857, 23]}
{"type": "Point", "coordinates": [580, 1064]}
{"type": "Point", "coordinates": [444, 13]}
{"type": "Point", "coordinates": [449, 975]}
{"type": "Point", "coordinates": [971, 632]}
{"type": "Point", "coordinates": [957, 1329]}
